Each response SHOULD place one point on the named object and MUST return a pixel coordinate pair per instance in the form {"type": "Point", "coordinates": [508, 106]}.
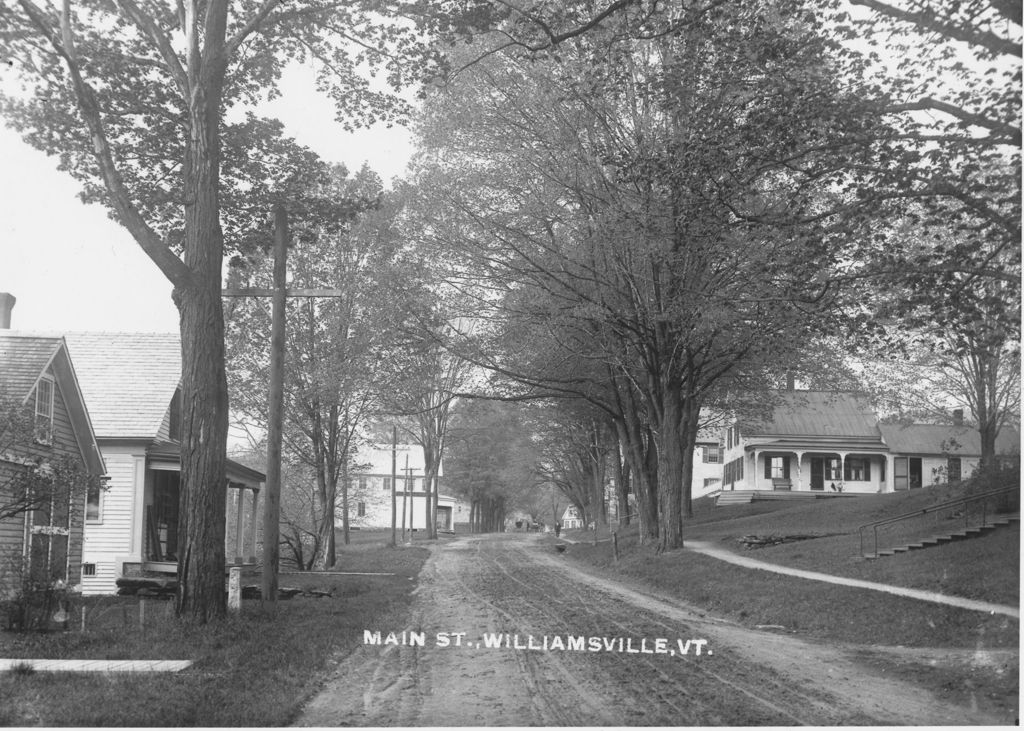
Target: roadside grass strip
{"type": "Point", "coordinates": [94, 666]}
{"type": "Point", "coordinates": [928, 596]}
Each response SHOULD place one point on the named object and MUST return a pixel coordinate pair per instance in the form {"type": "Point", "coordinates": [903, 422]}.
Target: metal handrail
{"type": "Point", "coordinates": [931, 509]}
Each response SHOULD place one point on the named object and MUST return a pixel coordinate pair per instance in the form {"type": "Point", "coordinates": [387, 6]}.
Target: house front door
{"type": "Point", "coordinates": [817, 473]}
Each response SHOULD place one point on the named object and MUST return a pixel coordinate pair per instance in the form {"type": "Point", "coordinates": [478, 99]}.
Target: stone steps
{"type": "Point", "coordinates": [939, 539]}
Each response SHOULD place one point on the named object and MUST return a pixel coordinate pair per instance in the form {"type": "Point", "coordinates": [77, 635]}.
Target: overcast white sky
{"type": "Point", "coordinates": [73, 269]}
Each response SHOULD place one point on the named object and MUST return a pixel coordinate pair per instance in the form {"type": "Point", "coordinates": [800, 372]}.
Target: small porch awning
{"type": "Point", "coordinates": [162, 455]}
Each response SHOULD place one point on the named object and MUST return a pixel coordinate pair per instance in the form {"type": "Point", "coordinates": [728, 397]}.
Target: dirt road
{"type": "Point", "coordinates": [614, 656]}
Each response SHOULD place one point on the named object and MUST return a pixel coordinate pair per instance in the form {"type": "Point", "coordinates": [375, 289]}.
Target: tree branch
{"type": "Point", "coordinates": [172, 267]}
{"type": "Point", "coordinates": [930, 21]}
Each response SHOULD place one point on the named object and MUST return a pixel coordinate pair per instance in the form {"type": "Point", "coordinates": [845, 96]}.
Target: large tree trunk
{"type": "Point", "coordinates": [621, 467]}
{"type": "Point", "coordinates": [670, 470]}
{"type": "Point", "coordinates": [202, 506]}
{"type": "Point", "coordinates": [201, 562]}
{"type": "Point", "coordinates": [690, 423]}
{"type": "Point", "coordinates": [641, 455]}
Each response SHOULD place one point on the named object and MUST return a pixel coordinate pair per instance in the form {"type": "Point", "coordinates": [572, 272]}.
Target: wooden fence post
{"type": "Point", "coordinates": [235, 589]}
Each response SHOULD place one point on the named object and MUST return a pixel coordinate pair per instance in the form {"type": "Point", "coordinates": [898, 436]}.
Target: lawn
{"type": "Point", "coordinates": [985, 568]}
{"type": "Point", "coordinates": [255, 669]}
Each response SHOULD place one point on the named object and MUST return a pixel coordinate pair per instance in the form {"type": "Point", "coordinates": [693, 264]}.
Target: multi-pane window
{"type": "Point", "coordinates": [776, 468]}
{"type": "Point", "coordinates": [48, 559]}
{"type": "Point", "coordinates": [387, 484]}
{"type": "Point", "coordinates": [360, 509]}
{"type": "Point", "coordinates": [832, 469]}
{"type": "Point", "coordinates": [857, 469]}
{"type": "Point", "coordinates": [953, 469]}
{"type": "Point", "coordinates": [712, 455]}
{"type": "Point", "coordinates": [44, 411]}
{"type": "Point", "coordinates": [362, 482]}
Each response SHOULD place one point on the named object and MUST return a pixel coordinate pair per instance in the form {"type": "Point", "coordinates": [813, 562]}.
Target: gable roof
{"type": "Point", "coordinates": [128, 379]}
{"type": "Point", "coordinates": [945, 439]}
{"type": "Point", "coordinates": [24, 358]}
{"type": "Point", "coordinates": [817, 414]}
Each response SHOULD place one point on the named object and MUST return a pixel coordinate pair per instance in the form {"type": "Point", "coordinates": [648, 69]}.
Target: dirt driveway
{"type": "Point", "coordinates": [575, 649]}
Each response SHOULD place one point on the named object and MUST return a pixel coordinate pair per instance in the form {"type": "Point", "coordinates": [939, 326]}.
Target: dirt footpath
{"type": "Point", "coordinates": [576, 649]}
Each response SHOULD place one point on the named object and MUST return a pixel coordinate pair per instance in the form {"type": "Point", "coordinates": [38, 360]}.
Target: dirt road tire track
{"type": "Point", "coordinates": [512, 583]}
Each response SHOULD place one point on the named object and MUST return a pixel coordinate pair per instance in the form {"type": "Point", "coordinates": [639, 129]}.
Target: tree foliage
{"type": "Point", "coordinates": [655, 218]}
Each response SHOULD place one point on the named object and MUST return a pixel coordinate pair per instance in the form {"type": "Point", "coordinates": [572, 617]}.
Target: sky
{"type": "Point", "coordinates": [73, 269]}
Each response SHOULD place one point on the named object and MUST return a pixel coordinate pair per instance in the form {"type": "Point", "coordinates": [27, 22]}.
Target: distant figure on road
{"type": "Point", "coordinates": [558, 528]}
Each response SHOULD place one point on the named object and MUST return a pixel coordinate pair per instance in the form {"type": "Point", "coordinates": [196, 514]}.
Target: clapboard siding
{"type": "Point", "coordinates": [65, 444]}
{"type": "Point", "coordinates": [12, 535]}
{"type": "Point", "coordinates": [109, 539]}
{"type": "Point", "coordinates": [62, 444]}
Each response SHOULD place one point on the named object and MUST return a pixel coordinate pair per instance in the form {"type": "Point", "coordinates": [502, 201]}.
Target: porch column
{"type": "Point", "coordinates": [254, 524]}
{"type": "Point", "coordinates": [799, 471]}
{"type": "Point", "coordinates": [753, 473]}
{"type": "Point", "coordinates": [239, 523]}
{"type": "Point", "coordinates": [842, 468]}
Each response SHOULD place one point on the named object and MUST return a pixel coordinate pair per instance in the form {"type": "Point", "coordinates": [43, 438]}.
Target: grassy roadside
{"type": "Point", "coordinates": [826, 611]}
{"type": "Point", "coordinates": [252, 670]}
{"type": "Point", "coordinates": [985, 568]}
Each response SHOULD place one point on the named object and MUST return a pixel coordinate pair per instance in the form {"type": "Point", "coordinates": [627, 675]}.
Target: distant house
{"type": "Point", "coordinates": [370, 491]}
{"type": "Point", "coordinates": [708, 457]}
{"type": "Point", "coordinates": [833, 442]}
{"type": "Point", "coordinates": [130, 382]}
{"type": "Point", "coordinates": [572, 519]}
{"type": "Point", "coordinates": [926, 454]}
{"type": "Point", "coordinates": [37, 373]}
{"type": "Point", "coordinates": [813, 440]}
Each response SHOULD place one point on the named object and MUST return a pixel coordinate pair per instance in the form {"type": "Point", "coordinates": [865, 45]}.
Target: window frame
{"type": "Point", "coordinates": [99, 488]}
{"type": "Point", "coordinates": [41, 436]}
{"type": "Point", "coordinates": [862, 465]}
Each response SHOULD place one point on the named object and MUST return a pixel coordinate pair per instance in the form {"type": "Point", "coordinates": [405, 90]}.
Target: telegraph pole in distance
{"type": "Point", "coordinates": [394, 482]}
{"type": "Point", "coordinates": [272, 506]}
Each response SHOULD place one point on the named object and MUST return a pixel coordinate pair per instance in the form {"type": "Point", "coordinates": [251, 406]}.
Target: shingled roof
{"type": "Point", "coordinates": [128, 379]}
{"type": "Point", "coordinates": [818, 414]}
{"type": "Point", "coordinates": [23, 358]}
{"type": "Point", "coordinates": [933, 439]}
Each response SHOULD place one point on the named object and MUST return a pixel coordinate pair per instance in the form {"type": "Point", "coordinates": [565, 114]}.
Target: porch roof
{"type": "Point", "coordinates": [171, 452]}
{"type": "Point", "coordinates": [823, 445]}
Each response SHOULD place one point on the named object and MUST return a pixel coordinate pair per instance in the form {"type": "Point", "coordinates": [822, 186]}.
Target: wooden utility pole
{"type": "Point", "coordinates": [405, 495]}
{"type": "Point", "coordinates": [394, 483]}
{"type": "Point", "coordinates": [275, 427]}
{"type": "Point", "coordinates": [272, 507]}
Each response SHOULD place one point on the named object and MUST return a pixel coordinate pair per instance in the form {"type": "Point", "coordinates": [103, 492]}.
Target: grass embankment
{"type": "Point", "coordinates": [255, 669]}
{"type": "Point", "coordinates": [985, 568]}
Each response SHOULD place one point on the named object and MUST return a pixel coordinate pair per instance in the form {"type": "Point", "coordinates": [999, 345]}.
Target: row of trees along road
{"type": "Point", "coordinates": [733, 146]}
{"type": "Point", "coordinates": [491, 461]}
{"type": "Point", "coordinates": [656, 218]}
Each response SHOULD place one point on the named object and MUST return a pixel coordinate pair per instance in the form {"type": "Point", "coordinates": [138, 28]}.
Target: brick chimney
{"type": "Point", "coordinates": [958, 417]}
{"type": "Point", "coordinates": [6, 305]}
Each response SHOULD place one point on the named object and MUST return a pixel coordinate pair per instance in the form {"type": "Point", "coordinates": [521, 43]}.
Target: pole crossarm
{"type": "Point", "coordinates": [300, 292]}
